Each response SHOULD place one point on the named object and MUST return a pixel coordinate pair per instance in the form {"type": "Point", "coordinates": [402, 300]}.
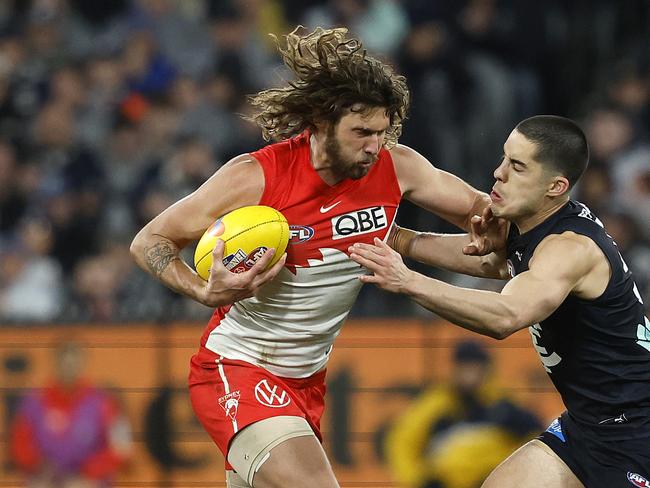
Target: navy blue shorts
{"type": "Point", "coordinates": [599, 463]}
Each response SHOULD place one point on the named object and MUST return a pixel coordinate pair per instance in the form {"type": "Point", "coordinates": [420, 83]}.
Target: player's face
{"type": "Point", "coordinates": [521, 182]}
{"type": "Point", "coordinates": [353, 145]}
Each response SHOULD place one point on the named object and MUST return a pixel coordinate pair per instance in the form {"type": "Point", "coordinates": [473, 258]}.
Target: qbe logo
{"type": "Point", "coordinates": [359, 222]}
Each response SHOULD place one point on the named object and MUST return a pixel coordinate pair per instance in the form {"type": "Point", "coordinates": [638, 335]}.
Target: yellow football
{"type": "Point", "coordinates": [247, 232]}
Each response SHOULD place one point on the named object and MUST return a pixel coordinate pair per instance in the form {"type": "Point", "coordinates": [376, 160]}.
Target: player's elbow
{"type": "Point", "coordinates": [507, 325]}
{"type": "Point", "coordinates": [137, 246]}
{"type": "Point", "coordinates": [501, 332]}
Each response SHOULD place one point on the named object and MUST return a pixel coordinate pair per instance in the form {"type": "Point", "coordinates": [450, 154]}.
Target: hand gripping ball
{"type": "Point", "coordinates": [247, 232]}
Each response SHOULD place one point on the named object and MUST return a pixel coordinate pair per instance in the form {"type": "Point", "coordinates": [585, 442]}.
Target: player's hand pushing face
{"type": "Point", "coordinates": [487, 233]}
{"type": "Point", "coordinates": [224, 287]}
{"type": "Point", "coordinates": [389, 271]}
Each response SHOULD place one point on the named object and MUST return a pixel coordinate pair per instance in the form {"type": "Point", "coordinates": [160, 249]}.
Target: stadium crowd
{"type": "Point", "coordinates": [113, 109]}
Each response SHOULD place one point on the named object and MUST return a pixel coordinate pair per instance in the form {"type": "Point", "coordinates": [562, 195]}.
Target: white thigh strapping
{"type": "Point", "coordinates": [233, 480]}
{"type": "Point", "coordinates": [251, 447]}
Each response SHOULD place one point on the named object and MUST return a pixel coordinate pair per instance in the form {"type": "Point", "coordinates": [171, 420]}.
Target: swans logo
{"type": "Point", "coordinates": [230, 403]}
{"type": "Point", "coordinates": [638, 480]}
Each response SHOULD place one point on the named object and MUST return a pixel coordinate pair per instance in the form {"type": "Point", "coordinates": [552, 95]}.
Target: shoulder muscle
{"type": "Point", "coordinates": [576, 258]}
{"type": "Point", "coordinates": [238, 183]}
{"type": "Point", "coordinates": [436, 190]}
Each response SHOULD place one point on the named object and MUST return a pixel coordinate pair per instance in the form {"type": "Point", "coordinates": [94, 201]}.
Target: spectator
{"type": "Point", "coordinates": [455, 433]}
{"type": "Point", "coordinates": [616, 143]}
{"type": "Point", "coordinates": [69, 434]}
{"type": "Point", "coordinates": [30, 281]}
{"type": "Point", "coordinates": [634, 250]}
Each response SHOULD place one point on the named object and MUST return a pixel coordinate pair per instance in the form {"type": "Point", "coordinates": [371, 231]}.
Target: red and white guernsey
{"type": "Point", "coordinates": [289, 328]}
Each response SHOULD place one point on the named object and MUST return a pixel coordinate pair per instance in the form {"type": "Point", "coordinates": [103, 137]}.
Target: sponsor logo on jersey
{"type": "Point", "coordinates": [621, 419]}
{"type": "Point", "coordinates": [239, 261]}
{"type": "Point", "coordinates": [300, 233]}
{"type": "Point", "coordinates": [585, 213]}
{"type": "Point", "coordinates": [325, 209]}
{"type": "Point", "coordinates": [511, 268]}
{"type": "Point", "coordinates": [556, 429]}
{"type": "Point", "coordinates": [271, 395]}
{"type": "Point", "coordinates": [638, 480]}
{"type": "Point", "coordinates": [230, 404]}
{"type": "Point", "coordinates": [359, 222]}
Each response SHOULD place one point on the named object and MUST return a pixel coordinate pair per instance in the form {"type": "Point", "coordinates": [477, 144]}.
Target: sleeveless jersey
{"type": "Point", "coordinates": [289, 328]}
{"type": "Point", "coordinates": [596, 352]}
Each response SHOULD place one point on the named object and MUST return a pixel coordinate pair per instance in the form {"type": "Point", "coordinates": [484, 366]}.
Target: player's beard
{"type": "Point", "coordinates": [338, 164]}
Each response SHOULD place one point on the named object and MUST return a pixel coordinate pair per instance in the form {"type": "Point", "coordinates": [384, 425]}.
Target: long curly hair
{"type": "Point", "coordinates": [332, 74]}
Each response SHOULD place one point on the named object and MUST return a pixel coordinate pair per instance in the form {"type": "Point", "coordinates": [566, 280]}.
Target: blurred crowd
{"type": "Point", "coordinates": [113, 109]}
{"type": "Point", "coordinates": [70, 433]}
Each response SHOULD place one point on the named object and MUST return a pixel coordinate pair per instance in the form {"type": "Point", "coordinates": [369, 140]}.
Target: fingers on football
{"type": "Point", "coordinates": [217, 256]}
{"type": "Point", "coordinates": [217, 260]}
{"type": "Point", "coordinates": [217, 251]}
{"type": "Point", "coordinates": [273, 271]}
{"type": "Point", "coordinates": [261, 264]}
{"type": "Point", "coordinates": [266, 276]}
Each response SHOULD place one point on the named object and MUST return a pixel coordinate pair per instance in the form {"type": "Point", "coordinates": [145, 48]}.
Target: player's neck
{"type": "Point", "coordinates": [320, 161]}
{"type": "Point", "coordinates": [531, 221]}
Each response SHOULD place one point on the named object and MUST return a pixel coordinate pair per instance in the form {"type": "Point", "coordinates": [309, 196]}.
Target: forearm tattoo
{"type": "Point", "coordinates": [159, 256]}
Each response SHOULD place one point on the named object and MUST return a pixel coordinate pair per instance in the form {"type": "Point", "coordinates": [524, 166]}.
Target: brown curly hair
{"type": "Point", "coordinates": [333, 73]}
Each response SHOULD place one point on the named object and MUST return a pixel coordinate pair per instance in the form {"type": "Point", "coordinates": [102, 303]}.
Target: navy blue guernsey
{"type": "Point", "coordinates": [596, 352]}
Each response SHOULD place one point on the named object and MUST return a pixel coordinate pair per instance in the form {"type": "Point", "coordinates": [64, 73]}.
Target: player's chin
{"type": "Point", "coordinates": [498, 209]}
{"type": "Point", "coordinates": [360, 171]}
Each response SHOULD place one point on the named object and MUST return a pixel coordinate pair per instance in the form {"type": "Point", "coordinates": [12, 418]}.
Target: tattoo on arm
{"type": "Point", "coordinates": [159, 256]}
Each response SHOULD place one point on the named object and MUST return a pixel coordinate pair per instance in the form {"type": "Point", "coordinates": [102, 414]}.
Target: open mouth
{"type": "Point", "coordinates": [495, 197]}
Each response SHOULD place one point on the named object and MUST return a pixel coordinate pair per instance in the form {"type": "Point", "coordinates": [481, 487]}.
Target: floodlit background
{"type": "Point", "coordinates": [111, 110]}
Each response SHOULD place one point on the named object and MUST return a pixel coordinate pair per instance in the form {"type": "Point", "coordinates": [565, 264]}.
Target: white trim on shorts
{"type": "Point", "coordinates": [226, 387]}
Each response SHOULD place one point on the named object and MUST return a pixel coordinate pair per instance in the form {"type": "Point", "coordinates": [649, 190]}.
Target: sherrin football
{"type": "Point", "coordinates": [247, 233]}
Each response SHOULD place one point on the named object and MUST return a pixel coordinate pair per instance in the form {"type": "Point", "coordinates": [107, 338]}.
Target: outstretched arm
{"type": "Point", "coordinates": [527, 299]}
{"type": "Point", "coordinates": [436, 190]}
{"type": "Point", "coordinates": [156, 247]}
{"type": "Point", "coordinates": [470, 254]}
{"type": "Point", "coordinates": [456, 201]}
